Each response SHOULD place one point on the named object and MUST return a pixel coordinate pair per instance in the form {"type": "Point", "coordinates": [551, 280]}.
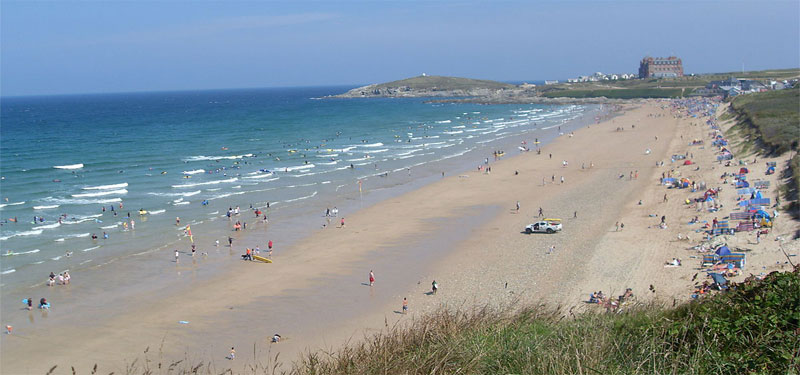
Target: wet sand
{"type": "Point", "coordinates": [462, 231]}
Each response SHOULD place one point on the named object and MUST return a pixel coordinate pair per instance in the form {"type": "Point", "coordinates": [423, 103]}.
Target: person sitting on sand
{"type": "Point", "coordinates": [626, 296]}
{"type": "Point", "coordinates": [43, 303]}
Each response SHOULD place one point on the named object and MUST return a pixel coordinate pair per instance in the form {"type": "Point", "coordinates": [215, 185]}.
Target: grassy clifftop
{"type": "Point", "coordinates": [430, 86]}
{"type": "Point", "coordinates": [775, 115]}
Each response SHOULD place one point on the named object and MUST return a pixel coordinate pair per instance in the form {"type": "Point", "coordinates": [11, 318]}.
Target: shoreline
{"type": "Point", "coordinates": [472, 234]}
{"type": "Point", "coordinates": [174, 283]}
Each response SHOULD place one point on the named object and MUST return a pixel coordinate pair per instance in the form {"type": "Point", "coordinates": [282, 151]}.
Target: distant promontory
{"type": "Point", "coordinates": [430, 86]}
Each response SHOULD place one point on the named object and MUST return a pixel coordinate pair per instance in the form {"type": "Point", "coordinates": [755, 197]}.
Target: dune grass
{"type": "Point", "coordinates": [751, 330]}
{"type": "Point", "coordinates": [773, 115]}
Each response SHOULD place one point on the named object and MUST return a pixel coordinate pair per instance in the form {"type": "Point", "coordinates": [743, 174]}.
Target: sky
{"type": "Point", "coordinates": [68, 47]}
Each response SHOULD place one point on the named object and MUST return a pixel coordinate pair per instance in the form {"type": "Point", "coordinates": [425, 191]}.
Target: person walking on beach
{"type": "Point", "coordinates": [371, 278]}
{"type": "Point", "coordinates": [575, 216]}
{"type": "Point", "coordinates": [616, 227]}
{"type": "Point", "coordinates": [562, 179]}
{"type": "Point", "coordinates": [342, 226]}
{"type": "Point", "coordinates": [665, 197]}
{"type": "Point", "coordinates": [177, 254]}
{"type": "Point", "coordinates": [551, 249]}
{"type": "Point", "coordinates": [541, 212]}
{"type": "Point", "coordinates": [434, 287]}
{"type": "Point", "coordinates": [405, 305]}
{"type": "Point", "coordinates": [517, 206]}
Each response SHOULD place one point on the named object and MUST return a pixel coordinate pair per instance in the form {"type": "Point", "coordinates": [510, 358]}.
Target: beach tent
{"type": "Point", "coordinates": [770, 170]}
{"type": "Point", "coordinates": [723, 250]}
{"type": "Point", "coordinates": [758, 195]}
{"type": "Point", "coordinates": [688, 162]}
{"type": "Point", "coordinates": [743, 170]}
{"type": "Point", "coordinates": [742, 184]}
{"type": "Point", "coordinates": [762, 214]}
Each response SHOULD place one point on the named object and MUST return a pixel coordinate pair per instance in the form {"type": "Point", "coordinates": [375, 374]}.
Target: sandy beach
{"type": "Point", "coordinates": [462, 231]}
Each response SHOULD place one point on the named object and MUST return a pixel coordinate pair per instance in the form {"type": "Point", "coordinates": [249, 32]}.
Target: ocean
{"type": "Point", "coordinates": [83, 165]}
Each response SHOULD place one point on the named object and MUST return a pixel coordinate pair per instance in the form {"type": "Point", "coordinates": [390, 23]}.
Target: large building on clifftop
{"type": "Point", "coordinates": [660, 67]}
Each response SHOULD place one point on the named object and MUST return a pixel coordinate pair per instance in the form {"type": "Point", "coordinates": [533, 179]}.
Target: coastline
{"type": "Point", "coordinates": [471, 257]}
{"type": "Point", "coordinates": [172, 282]}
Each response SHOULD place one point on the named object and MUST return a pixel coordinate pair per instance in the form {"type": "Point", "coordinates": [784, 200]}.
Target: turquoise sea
{"type": "Point", "coordinates": [73, 166]}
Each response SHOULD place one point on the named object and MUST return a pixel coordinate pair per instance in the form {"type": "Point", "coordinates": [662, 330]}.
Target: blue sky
{"type": "Point", "coordinates": [119, 46]}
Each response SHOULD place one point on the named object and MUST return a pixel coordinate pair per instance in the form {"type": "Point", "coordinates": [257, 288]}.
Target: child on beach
{"type": "Point", "coordinates": [371, 278]}
{"type": "Point", "coordinates": [405, 305]}
{"type": "Point", "coordinates": [233, 354]}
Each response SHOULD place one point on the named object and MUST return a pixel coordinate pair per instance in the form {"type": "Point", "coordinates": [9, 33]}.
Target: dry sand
{"type": "Point", "coordinates": [462, 231]}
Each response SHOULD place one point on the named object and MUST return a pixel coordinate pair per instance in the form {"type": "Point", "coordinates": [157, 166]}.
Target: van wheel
{"type": "Point", "coordinates": [550, 230]}
{"type": "Point", "coordinates": [528, 230]}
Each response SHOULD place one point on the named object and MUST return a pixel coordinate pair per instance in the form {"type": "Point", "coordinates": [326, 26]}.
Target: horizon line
{"type": "Point", "coordinates": [300, 86]}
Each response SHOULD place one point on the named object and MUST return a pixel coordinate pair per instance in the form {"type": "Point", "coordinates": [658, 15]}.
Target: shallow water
{"type": "Point", "coordinates": [165, 153]}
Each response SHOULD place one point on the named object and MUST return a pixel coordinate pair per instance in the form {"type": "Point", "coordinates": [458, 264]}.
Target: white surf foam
{"type": "Point", "coordinates": [204, 158]}
{"type": "Point", "coordinates": [69, 166]}
{"type": "Point", "coordinates": [234, 179]}
{"type": "Point", "coordinates": [34, 232]}
{"type": "Point", "coordinates": [45, 207]}
{"type": "Point", "coordinates": [196, 171]}
{"type": "Point", "coordinates": [301, 198]}
{"type": "Point", "coordinates": [156, 212]}
{"type": "Point", "coordinates": [11, 204]}
{"type": "Point", "coordinates": [107, 187]}
{"type": "Point", "coordinates": [101, 193]}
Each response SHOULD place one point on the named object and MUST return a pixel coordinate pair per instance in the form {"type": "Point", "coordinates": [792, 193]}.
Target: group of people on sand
{"type": "Point", "coordinates": [62, 278]}
{"type": "Point", "coordinates": [606, 301]}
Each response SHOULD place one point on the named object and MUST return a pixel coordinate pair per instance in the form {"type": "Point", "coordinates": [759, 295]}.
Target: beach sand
{"type": "Point", "coordinates": [463, 231]}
